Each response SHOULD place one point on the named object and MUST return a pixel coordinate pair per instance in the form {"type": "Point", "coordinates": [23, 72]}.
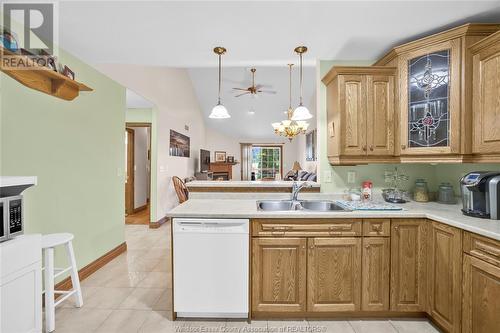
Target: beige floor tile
{"type": "Point", "coordinates": [372, 326]}
{"type": "Point", "coordinates": [164, 265]}
{"type": "Point", "coordinates": [275, 326]}
{"type": "Point", "coordinates": [86, 293]}
{"type": "Point", "coordinates": [107, 298]}
{"type": "Point", "coordinates": [156, 280]}
{"type": "Point", "coordinates": [331, 326]}
{"type": "Point", "coordinates": [159, 322]}
{"type": "Point", "coordinates": [123, 321]}
{"type": "Point", "coordinates": [164, 303]}
{"type": "Point", "coordinates": [237, 326]}
{"type": "Point", "coordinates": [414, 326]}
{"type": "Point", "coordinates": [82, 320]}
{"type": "Point", "coordinates": [212, 326]}
{"type": "Point", "coordinates": [142, 265]}
{"type": "Point", "coordinates": [126, 280]}
{"type": "Point", "coordinates": [142, 299]}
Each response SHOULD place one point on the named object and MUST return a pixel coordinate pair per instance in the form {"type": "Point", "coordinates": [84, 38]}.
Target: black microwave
{"type": "Point", "coordinates": [11, 215]}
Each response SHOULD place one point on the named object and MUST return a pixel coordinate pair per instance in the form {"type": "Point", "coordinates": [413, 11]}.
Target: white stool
{"type": "Point", "coordinates": [49, 242]}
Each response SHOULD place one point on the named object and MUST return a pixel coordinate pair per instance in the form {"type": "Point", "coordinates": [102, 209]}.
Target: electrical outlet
{"type": "Point", "coordinates": [351, 177]}
{"type": "Point", "coordinates": [327, 176]}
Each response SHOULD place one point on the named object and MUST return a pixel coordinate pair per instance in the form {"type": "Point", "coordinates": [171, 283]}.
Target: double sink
{"type": "Point", "coordinates": [305, 205]}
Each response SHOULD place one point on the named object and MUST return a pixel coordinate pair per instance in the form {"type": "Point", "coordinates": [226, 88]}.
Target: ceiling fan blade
{"type": "Point", "coordinates": [260, 86]}
{"type": "Point", "coordinates": [266, 91]}
{"type": "Point", "coordinates": [240, 89]}
{"type": "Point", "coordinates": [245, 93]}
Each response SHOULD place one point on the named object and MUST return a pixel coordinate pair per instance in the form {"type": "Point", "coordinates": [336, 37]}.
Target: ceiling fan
{"type": "Point", "coordinates": [253, 89]}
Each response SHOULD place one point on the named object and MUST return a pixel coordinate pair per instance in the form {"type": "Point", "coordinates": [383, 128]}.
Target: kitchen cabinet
{"type": "Point", "coordinates": [445, 276]}
{"type": "Point", "coordinates": [360, 114]}
{"type": "Point", "coordinates": [375, 274]}
{"type": "Point", "coordinates": [279, 274]}
{"type": "Point", "coordinates": [334, 274]}
{"type": "Point", "coordinates": [486, 105]}
{"type": "Point", "coordinates": [408, 265]}
{"type": "Point", "coordinates": [481, 296]}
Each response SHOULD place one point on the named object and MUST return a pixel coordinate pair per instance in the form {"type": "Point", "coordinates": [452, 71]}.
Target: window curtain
{"type": "Point", "coordinates": [246, 161]}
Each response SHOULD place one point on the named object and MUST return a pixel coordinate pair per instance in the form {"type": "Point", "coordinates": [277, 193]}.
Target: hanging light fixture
{"type": "Point", "coordinates": [290, 128]}
{"type": "Point", "coordinates": [219, 111]}
{"type": "Point", "coordinates": [301, 112]}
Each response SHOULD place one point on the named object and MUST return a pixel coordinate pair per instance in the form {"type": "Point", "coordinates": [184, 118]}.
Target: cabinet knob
{"type": "Point", "coordinates": [303, 247]}
{"type": "Point", "coordinates": [364, 148]}
{"type": "Point", "coordinates": [367, 246]}
{"type": "Point", "coordinates": [371, 148]}
{"type": "Point", "coordinates": [396, 228]}
{"type": "Point", "coordinates": [311, 247]}
{"type": "Point", "coordinates": [403, 147]}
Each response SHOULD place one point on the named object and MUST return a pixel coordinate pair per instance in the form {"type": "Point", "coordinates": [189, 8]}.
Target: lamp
{"type": "Point", "coordinates": [219, 111]}
{"type": "Point", "coordinates": [296, 166]}
{"type": "Point", "coordinates": [301, 112]}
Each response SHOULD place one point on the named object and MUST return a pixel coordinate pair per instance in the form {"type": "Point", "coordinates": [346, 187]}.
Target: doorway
{"type": "Point", "coordinates": [138, 173]}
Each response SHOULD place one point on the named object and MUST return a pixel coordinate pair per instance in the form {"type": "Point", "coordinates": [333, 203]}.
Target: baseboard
{"type": "Point", "coordinates": [138, 209]}
{"type": "Point", "coordinates": [91, 268]}
{"type": "Point", "coordinates": [155, 225]}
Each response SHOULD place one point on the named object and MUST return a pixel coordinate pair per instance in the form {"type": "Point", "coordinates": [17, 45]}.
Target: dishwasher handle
{"type": "Point", "coordinates": [236, 226]}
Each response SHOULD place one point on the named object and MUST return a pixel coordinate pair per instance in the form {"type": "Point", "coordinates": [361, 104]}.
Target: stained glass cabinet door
{"type": "Point", "coordinates": [430, 108]}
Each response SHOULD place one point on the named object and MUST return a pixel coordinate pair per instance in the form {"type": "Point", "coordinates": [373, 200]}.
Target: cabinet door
{"type": "Point", "coordinates": [334, 274]}
{"type": "Point", "coordinates": [486, 103]}
{"type": "Point", "coordinates": [375, 276]}
{"type": "Point", "coordinates": [408, 265]}
{"type": "Point", "coordinates": [279, 274]}
{"type": "Point", "coordinates": [352, 97]}
{"type": "Point", "coordinates": [380, 115]}
{"type": "Point", "coordinates": [445, 276]}
{"type": "Point", "coordinates": [481, 297]}
{"type": "Point", "coordinates": [430, 100]}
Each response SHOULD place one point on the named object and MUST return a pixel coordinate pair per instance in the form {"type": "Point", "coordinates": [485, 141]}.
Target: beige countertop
{"type": "Point", "coordinates": [247, 208]}
{"type": "Point", "coordinates": [244, 183]}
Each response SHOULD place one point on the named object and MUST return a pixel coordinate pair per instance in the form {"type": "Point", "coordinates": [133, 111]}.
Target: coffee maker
{"type": "Point", "coordinates": [481, 194]}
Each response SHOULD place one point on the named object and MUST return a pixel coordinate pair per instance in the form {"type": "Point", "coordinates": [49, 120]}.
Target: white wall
{"type": "Point", "coordinates": [171, 91]}
{"type": "Point", "coordinates": [141, 166]}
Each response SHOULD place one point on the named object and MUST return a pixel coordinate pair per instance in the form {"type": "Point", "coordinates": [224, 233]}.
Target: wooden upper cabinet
{"type": "Point", "coordinates": [486, 96]}
{"type": "Point", "coordinates": [334, 274]}
{"type": "Point", "coordinates": [408, 265]}
{"type": "Point", "coordinates": [481, 296]}
{"type": "Point", "coordinates": [279, 274]}
{"type": "Point", "coordinates": [375, 274]}
{"type": "Point", "coordinates": [360, 107]}
{"type": "Point", "coordinates": [445, 276]}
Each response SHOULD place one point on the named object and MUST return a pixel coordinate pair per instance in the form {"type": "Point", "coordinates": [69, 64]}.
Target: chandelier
{"type": "Point", "coordinates": [290, 128]}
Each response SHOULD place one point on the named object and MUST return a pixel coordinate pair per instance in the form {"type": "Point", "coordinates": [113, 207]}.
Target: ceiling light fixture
{"type": "Point", "coordinates": [219, 111]}
{"type": "Point", "coordinates": [290, 128]}
{"type": "Point", "coordinates": [301, 112]}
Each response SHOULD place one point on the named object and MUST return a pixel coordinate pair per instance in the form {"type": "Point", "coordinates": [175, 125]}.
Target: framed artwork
{"type": "Point", "coordinates": [220, 156]}
{"type": "Point", "coordinates": [68, 72]}
{"type": "Point", "coordinates": [179, 144]}
{"type": "Point", "coordinates": [230, 159]}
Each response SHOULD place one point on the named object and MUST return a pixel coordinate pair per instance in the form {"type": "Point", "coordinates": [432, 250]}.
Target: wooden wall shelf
{"type": "Point", "coordinates": [41, 78]}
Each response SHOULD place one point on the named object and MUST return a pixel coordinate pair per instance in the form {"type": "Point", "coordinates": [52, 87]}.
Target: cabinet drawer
{"type": "Point", "coordinates": [306, 227]}
{"type": "Point", "coordinates": [483, 248]}
{"type": "Point", "coordinates": [377, 227]}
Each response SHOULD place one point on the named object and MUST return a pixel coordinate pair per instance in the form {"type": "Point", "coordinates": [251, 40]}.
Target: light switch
{"type": "Point", "coordinates": [162, 168]}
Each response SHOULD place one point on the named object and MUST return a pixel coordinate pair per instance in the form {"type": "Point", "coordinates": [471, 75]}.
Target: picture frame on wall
{"type": "Point", "coordinates": [180, 144]}
{"type": "Point", "coordinates": [230, 159]}
{"type": "Point", "coordinates": [220, 156]}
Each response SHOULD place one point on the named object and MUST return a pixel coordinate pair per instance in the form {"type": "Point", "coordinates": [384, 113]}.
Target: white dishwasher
{"type": "Point", "coordinates": [211, 267]}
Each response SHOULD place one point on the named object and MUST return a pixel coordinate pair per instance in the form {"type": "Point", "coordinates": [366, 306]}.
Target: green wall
{"type": "Point", "coordinates": [76, 149]}
{"type": "Point", "coordinates": [434, 174]}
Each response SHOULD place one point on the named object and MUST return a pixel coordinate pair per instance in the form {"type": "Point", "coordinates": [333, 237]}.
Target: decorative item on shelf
{"type": "Point", "coordinates": [8, 40]}
{"type": "Point", "coordinates": [290, 128]}
{"type": "Point", "coordinates": [179, 144]}
{"type": "Point", "coordinates": [230, 159]}
{"type": "Point", "coordinates": [428, 91]}
{"type": "Point", "coordinates": [219, 111]}
{"type": "Point", "coordinates": [301, 112]}
{"type": "Point", "coordinates": [68, 72]}
{"type": "Point", "coordinates": [421, 192]}
{"type": "Point", "coordinates": [50, 60]}
{"type": "Point", "coordinates": [220, 156]}
{"type": "Point", "coordinates": [253, 89]}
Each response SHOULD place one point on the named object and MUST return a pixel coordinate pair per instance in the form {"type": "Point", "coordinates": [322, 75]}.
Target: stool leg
{"type": "Point", "coordinates": [75, 280]}
{"type": "Point", "coordinates": [49, 290]}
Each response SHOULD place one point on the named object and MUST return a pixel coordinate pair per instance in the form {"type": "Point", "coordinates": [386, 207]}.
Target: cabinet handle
{"type": "Point", "coordinates": [303, 247]}
{"type": "Point", "coordinates": [403, 147]}
{"type": "Point", "coordinates": [367, 246]}
{"type": "Point", "coordinates": [377, 227]}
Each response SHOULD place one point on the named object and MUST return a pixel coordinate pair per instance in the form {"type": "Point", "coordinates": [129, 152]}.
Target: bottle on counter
{"type": "Point", "coordinates": [446, 194]}
{"type": "Point", "coordinates": [366, 190]}
{"type": "Point", "coordinates": [421, 193]}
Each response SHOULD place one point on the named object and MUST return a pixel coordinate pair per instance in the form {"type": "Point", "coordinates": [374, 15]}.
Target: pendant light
{"type": "Point", "coordinates": [219, 111]}
{"type": "Point", "coordinates": [290, 128]}
{"type": "Point", "coordinates": [301, 112]}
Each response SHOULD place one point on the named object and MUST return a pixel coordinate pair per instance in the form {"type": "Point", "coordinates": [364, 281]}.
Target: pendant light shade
{"type": "Point", "coordinates": [301, 112]}
{"type": "Point", "coordinates": [219, 111]}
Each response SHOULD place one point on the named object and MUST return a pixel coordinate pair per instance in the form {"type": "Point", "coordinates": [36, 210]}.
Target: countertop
{"type": "Point", "coordinates": [247, 208]}
{"type": "Point", "coordinates": [244, 183]}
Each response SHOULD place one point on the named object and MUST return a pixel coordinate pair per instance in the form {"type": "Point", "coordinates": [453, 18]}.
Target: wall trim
{"type": "Point", "coordinates": [156, 225]}
{"type": "Point", "coordinates": [91, 268]}
{"type": "Point", "coordinates": [138, 209]}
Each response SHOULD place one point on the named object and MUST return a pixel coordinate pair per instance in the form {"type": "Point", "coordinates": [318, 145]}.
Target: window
{"type": "Point", "coordinates": [266, 161]}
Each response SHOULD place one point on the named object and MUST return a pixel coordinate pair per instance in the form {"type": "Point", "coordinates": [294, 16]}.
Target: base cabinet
{"type": "Point", "coordinates": [334, 274]}
{"type": "Point", "coordinates": [445, 276]}
{"type": "Point", "coordinates": [279, 274]}
{"type": "Point", "coordinates": [375, 274]}
{"type": "Point", "coordinates": [408, 265]}
{"type": "Point", "coordinates": [481, 296]}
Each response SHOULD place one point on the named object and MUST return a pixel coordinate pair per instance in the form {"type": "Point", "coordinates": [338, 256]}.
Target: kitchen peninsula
{"type": "Point", "coordinates": [233, 186]}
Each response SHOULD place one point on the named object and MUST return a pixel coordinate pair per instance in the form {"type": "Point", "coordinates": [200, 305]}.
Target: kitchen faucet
{"type": "Point", "coordinates": [296, 187]}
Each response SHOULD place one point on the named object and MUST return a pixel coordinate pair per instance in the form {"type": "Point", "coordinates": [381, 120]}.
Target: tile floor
{"type": "Point", "coordinates": [133, 294]}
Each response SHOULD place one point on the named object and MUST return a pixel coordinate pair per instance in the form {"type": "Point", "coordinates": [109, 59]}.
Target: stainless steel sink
{"type": "Point", "coordinates": [276, 205]}
{"type": "Point", "coordinates": [289, 205]}
{"type": "Point", "coordinates": [321, 206]}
